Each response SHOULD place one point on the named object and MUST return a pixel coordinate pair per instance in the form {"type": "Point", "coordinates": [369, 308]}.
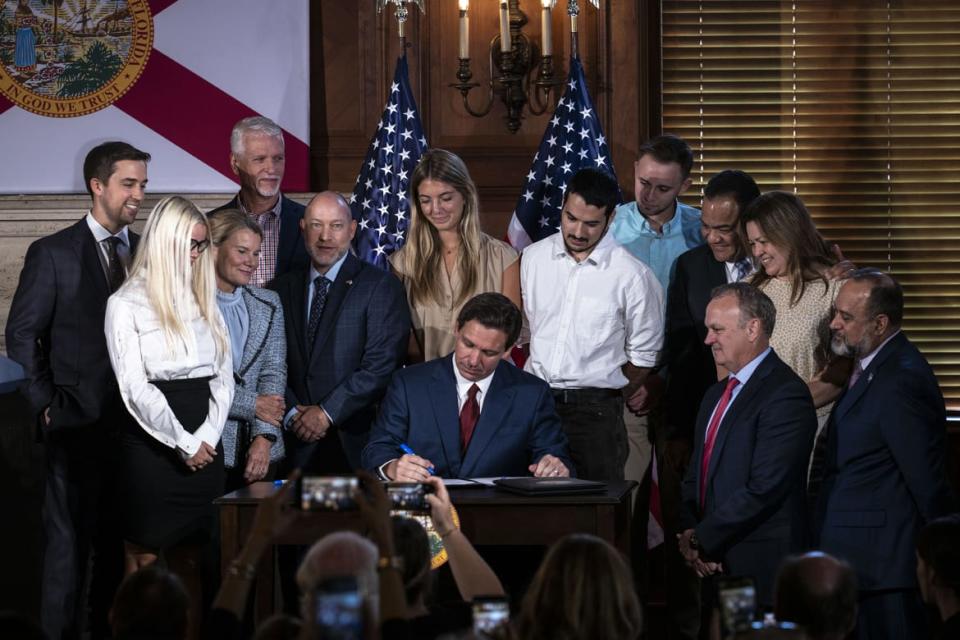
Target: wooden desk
{"type": "Point", "coordinates": [487, 517]}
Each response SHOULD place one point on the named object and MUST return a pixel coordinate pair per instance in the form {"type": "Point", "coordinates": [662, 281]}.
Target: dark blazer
{"type": "Point", "coordinates": [291, 252]}
{"type": "Point", "coordinates": [885, 473]}
{"type": "Point", "coordinates": [55, 328]}
{"type": "Point", "coordinates": [361, 340]}
{"type": "Point", "coordinates": [753, 515]}
{"type": "Point", "coordinates": [690, 365]}
{"type": "Point", "coordinates": [518, 423]}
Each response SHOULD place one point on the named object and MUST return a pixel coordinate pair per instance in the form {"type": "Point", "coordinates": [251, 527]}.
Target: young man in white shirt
{"type": "Point", "coordinates": [596, 324]}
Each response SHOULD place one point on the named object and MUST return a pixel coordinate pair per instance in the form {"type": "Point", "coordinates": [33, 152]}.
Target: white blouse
{"type": "Point", "coordinates": [139, 353]}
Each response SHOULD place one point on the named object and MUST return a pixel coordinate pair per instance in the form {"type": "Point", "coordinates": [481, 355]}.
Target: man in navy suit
{"type": "Point", "coordinates": [55, 330]}
{"type": "Point", "coordinates": [347, 325]}
{"type": "Point", "coordinates": [471, 414]}
{"type": "Point", "coordinates": [743, 494]}
{"type": "Point", "coordinates": [257, 157]}
{"type": "Point", "coordinates": [878, 468]}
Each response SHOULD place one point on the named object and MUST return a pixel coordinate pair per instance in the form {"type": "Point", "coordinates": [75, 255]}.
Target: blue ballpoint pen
{"type": "Point", "coordinates": [407, 450]}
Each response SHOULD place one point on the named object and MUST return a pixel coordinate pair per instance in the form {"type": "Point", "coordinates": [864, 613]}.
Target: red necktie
{"type": "Point", "coordinates": [469, 415]}
{"type": "Point", "coordinates": [711, 435]}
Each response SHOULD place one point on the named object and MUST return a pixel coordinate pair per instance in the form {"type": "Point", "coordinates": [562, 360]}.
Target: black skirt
{"type": "Point", "coordinates": [163, 501]}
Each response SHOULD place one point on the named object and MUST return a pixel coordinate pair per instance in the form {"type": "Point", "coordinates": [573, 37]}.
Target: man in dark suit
{"type": "Point", "coordinates": [880, 457]}
{"type": "Point", "coordinates": [471, 414]}
{"type": "Point", "coordinates": [347, 326]}
{"type": "Point", "coordinates": [690, 370]}
{"type": "Point", "coordinates": [257, 157]}
{"type": "Point", "coordinates": [55, 330]}
{"type": "Point", "coordinates": [743, 494]}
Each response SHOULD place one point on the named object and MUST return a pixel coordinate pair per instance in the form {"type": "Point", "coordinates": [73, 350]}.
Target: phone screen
{"type": "Point", "coordinates": [328, 493]}
{"type": "Point", "coordinates": [738, 604]}
{"type": "Point", "coordinates": [339, 609]}
{"type": "Point", "coordinates": [489, 613]}
{"type": "Point", "coordinates": [408, 496]}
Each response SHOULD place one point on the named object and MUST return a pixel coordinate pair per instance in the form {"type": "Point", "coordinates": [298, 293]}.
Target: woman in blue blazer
{"type": "Point", "coordinates": [252, 439]}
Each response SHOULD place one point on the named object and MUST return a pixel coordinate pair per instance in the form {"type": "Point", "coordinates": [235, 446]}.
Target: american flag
{"type": "Point", "coordinates": [379, 199]}
{"type": "Point", "coordinates": [573, 140]}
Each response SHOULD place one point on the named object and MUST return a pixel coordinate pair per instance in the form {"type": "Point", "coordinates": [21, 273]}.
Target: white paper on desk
{"type": "Point", "coordinates": [466, 482]}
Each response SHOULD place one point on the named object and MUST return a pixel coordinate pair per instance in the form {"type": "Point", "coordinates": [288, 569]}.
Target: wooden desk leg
{"type": "Point", "coordinates": [230, 541]}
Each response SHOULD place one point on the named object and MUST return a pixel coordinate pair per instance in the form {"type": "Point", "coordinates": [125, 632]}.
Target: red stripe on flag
{"type": "Point", "coordinates": [197, 116]}
{"type": "Point", "coordinates": [156, 6]}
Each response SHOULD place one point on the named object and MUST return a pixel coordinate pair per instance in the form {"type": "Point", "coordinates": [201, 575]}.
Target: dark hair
{"type": "Point", "coordinates": [279, 626]}
{"type": "Point", "coordinates": [101, 160]}
{"type": "Point", "coordinates": [733, 182]}
{"type": "Point", "coordinates": [938, 544]}
{"type": "Point", "coordinates": [151, 602]}
{"type": "Point", "coordinates": [596, 188]}
{"type": "Point", "coordinates": [823, 602]}
{"type": "Point", "coordinates": [669, 148]}
{"type": "Point", "coordinates": [752, 302]}
{"type": "Point", "coordinates": [494, 311]}
{"type": "Point", "coordinates": [412, 545]}
{"type": "Point", "coordinates": [886, 294]}
{"type": "Point", "coordinates": [583, 589]}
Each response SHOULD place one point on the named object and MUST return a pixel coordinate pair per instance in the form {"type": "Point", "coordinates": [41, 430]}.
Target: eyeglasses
{"type": "Point", "coordinates": [199, 245]}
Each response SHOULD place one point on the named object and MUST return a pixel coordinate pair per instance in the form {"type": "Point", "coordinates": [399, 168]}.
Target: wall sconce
{"type": "Point", "coordinates": [513, 60]}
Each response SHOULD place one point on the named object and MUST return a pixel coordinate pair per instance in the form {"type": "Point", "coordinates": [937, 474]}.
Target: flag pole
{"type": "Point", "coordinates": [401, 13]}
{"type": "Point", "coordinates": [573, 10]}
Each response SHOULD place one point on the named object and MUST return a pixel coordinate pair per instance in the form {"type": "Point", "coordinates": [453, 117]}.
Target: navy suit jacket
{"type": "Point", "coordinates": [753, 515]}
{"type": "Point", "coordinates": [291, 252]}
{"type": "Point", "coordinates": [518, 424]}
{"type": "Point", "coordinates": [690, 365]}
{"type": "Point", "coordinates": [55, 329]}
{"type": "Point", "coordinates": [361, 340]}
{"type": "Point", "coordinates": [885, 473]}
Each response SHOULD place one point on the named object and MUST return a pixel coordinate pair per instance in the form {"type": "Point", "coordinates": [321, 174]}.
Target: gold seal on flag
{"type": "Point", "coordinates": [68, 58]}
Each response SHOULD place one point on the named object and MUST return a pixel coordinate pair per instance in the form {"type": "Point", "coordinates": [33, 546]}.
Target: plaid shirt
{"type": "Point", "coordinates": [269, 221]}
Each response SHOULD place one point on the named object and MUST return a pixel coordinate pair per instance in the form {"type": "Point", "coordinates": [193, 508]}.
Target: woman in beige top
{"type": "Point", "coordinates": [794, 268]}
{"type": "Point", "coordinates": [447, 259]}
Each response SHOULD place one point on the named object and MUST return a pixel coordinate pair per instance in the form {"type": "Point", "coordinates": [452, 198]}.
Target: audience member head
{"type": "Point", "coordinates": [328, 228]}
{"type": "Point", "coordinates": [583, 589]}
{"type": "Point", "coordinates": [280, 626]}
{"type": "Point", "coordinates": [488, 326]}
{"type": "Point", "coordinates": [445, 211]}
{"type": "Point", "coordinates": [725, 197]}
{"type": "Point", "coordinates": [740, 320]}
{"type": "Point", "coordinates": [660, 174]}
{"type": "Point", "coordinates": [588, 206]}
{"type": "Point", "coordinates": [176, 267]}
{"type": "Point", "coordinates": [784, 241]}
{"type": "Point", "coordinates": [336, 555]}
{"type": "Point", "coordinates": [150, 603]}
{"type": "Point", "coordinates": [868, 310]}
{"type": "Point", "coordinates": [115, 176]}
{"type": "Point", "coordinates": [819, 593]}
{"type": "Point", "coordinates": [412, 545]}
{"type": "Point", "coordinates": [938, 564]}
{"type": "Point", "coordinates": [236, 239]}
{"type": "Point", "coordinates": [257, 158]}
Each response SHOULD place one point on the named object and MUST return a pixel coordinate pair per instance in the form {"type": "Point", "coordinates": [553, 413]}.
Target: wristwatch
{"type": "Point", "coordinates": [269, 437]}
{"type": "Point", "coordinates": [390, 562]}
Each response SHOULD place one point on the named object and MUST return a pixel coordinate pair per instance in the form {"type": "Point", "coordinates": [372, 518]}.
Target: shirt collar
{"type": "Point", "coordinates": [599, 256]}
{"type": "Point", "coordinates": [641, 222]}
{"type": "Point", "coordinates": [867, 359]}
{"type": "Point", "coordinates": [275, 210]}
{"type": "Point", "coordinates": [331, 273]}
{"type": "Point", "coordinates": [100, 233]}
{"type": "Point", "coordinates": [747, 370]}
{"type": "Point", "coordinates": [463, 385]}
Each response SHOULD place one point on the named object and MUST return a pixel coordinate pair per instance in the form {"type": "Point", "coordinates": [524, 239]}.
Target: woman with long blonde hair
{"type": "Point", "coordinates": [171, 355]}
{"type": "Point", "coordinates": [447, 259]}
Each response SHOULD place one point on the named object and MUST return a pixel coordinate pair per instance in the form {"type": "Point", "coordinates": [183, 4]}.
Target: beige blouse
{"type": "Point", "coordinates": [796, 332]}
{"type": "Point", "coordinates": [434, 324]}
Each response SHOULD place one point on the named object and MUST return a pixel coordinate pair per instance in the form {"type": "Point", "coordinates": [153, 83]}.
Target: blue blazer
{"type": "Point", "coordinates": [518, 424]}
{"type": "Point", "coordinates": [261, 371]}
{"type": "Point", "coordinates": [291, 252]}
{"type": "Point", "coordinates": [885, 473]}
{"type": "Point", "coordinates": [361, 340]}
{"type": "Point", "coordinates": [753, 515]}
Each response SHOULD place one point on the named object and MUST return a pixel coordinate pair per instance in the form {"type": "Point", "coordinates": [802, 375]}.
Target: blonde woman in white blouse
{"type": "Point", "coordinates": [170, 352]}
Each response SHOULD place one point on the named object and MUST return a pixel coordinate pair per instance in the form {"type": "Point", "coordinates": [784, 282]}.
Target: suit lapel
{"type": "Point", "coordinates": [495, 405]}
{"type": "Point", "coordinates": [443, 402]}
{"type": "Point", "coordinates": [716, 271]}
{"type": "Point", "coordinates": [297, 312]}
{"type": "Point", "coordinates": [289, 236]}
{"type": "Point", "coordinates": [339, 291]}
{"type": "Point", "coordinates": [86, 247]}
{"type": "Point", "coordinates": [853, 394]}
{"type": "Point", "coordinates": [260, 317]}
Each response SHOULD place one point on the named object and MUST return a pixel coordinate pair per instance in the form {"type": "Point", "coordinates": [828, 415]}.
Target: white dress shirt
{"type": "Point", "coordinates": [587, 319]}
{"type": "Point", "coordinates": [139, 353]}
{"type": "Point", "coordinates": [100, 235]}
{"type": "Point", "coordinates": [463, 386]}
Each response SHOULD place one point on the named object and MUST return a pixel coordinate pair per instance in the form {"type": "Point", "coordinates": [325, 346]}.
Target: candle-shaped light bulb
{"type": "Point", "coordinates": [505, 43]}
{"type": "Point", "coordinates": [546, 28]}
{"type": "Point", "coordinates": [464, 29]}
